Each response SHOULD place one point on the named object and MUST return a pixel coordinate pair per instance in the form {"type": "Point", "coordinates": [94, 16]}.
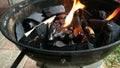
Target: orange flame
{"type": "Point", "coordinates": [77, 5]}
{"type": "Point", "coordinates": [113, 14]}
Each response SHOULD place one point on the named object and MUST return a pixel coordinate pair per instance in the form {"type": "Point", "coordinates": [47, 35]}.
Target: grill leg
{"type": "Point", "coordinates": [17, 61]}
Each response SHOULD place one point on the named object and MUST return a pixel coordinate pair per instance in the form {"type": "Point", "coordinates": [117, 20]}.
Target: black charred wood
{"type": "Point", "coordinates": [78, 39]}
{"type": "Point", "coordinates": [101, 5]}
{"type": "Point", "coordinates": [41, 30]}
{"type": "Point", "coordinates": [80, 30]}
{"type": "Point", "coordinates": [36, 38]}
{"type": "Point", "coordinates": [53, 10]}
{"type": "Point", "coordinates": [29, 24]}
{"type": "Point", "coordinates": [105, 32]}
{"type": "Point", "coordinates": [96, 24]}
{"type": "Point", "coordinates": [34, 19]}
{"type": "Point", "coordinates": [67, 39]}
{"type": "Point", "coordinates": [109, 34]}
{"type": "Point", "coordinates": [33, 41]}
{"type": "Point", "coordinates": [19, 31]}
{"type": "Point", "coordinates": [99, 14]}
{"type": "Point", "coordinates": [87, 29]}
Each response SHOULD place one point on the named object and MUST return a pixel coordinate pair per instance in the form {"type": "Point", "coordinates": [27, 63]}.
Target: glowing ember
{"type": "Point", "coordinates": [113, 14]}
{"type": "Point", "coordinates": [77, 5]}
{"type": "Point", "coordinates": [77, 30]}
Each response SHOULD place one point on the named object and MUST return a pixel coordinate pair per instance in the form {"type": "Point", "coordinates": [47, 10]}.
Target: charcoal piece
{"type": "Point", "coordinates": [99, 14]}
{"type": "Point", "coordinates": [41, 30]}
{"type": "Point", "coordinates": [78, 39]}
{"type": "Point", "coordinates": [109, 34]}
{"type": "Point", "coordinates": [90, 45]}
{"type": "Point", "coordinates": [96, 24]}
{"type": "Point", "coordinates": [62, 40]}
{"type": "Point", "coordinates": [24, 40]}
{"type": "Point", "coordinates": [36, 16]}
{"type": "Point", "coordinates": [81, 46]}
{"type": "Point", "coordinates": [53, 10]}
{"type": "Point", "coordinates": [19, 31]}
{"type": "Point", "coordinates": [33, 40]}
{"type": "Point", "coordinates": [36, 38]}
{"type": "Point", "coordinates": [66, 39]}
{"type": "Point", "coordinates": [59, 44]}
{"type": "Point", "coordinates": [115, 31]}
{"type": "Point", "coordinates": [28, 25]}
{"type": "Point", "coordinates": [34, 19]}
{"type": "Point", "coordinates": [90, 34]}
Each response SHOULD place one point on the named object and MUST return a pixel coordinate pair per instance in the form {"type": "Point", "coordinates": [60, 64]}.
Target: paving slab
{"type": "Point", "coordinates": [22, 63]}
{"type": "Point", "coordinates": [3, 40]}
{"type": "Point", "coordinates": [30, 64]}
{"type": "Point", "coordinates": [8, 45]}
{"type": "Point", "coordinates": [7, 57]}
{"type": "Point", "coordinates": [8, 53]}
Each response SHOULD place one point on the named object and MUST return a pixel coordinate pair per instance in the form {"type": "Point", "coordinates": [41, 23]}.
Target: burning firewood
{"type": "Point", "coordinates": [87, 28]}
{"type": "Point", "coordinates": [77, 30]}
{"type": "Point", "coordinates": [58, 35]}
{"type": "Point", "coordinates": [90, 32]}
{"type": "Point", "coordinates": [62, 38]}
{"type": "Point", "coordinates": [115, 16]}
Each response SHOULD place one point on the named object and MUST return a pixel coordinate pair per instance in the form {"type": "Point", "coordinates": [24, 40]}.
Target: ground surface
{"type": "Point", "coordinates": [113, 60]}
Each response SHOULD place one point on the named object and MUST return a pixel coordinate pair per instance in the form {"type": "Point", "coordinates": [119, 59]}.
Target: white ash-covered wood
{"type": "Point", "coordinates": [54, 10]}
{"type": "Point", "coordinates": [19, 31]}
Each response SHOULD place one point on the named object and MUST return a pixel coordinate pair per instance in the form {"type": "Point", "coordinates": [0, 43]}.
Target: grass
{"type": "Point", "coordinates": [113, 60]}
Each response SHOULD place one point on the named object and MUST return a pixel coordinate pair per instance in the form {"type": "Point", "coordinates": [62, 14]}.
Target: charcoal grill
{"type": "Point", "coordinates": [83, 57]}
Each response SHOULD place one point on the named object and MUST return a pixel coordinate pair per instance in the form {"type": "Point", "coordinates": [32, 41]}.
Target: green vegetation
{"type": "Point", "coordinates": [113, 60]}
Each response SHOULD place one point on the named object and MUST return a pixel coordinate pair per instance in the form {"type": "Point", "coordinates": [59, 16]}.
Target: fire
{"type": "Point", "coordinates": [116, 11]}
{"type": "Point", "coordinates": [76, 5]}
